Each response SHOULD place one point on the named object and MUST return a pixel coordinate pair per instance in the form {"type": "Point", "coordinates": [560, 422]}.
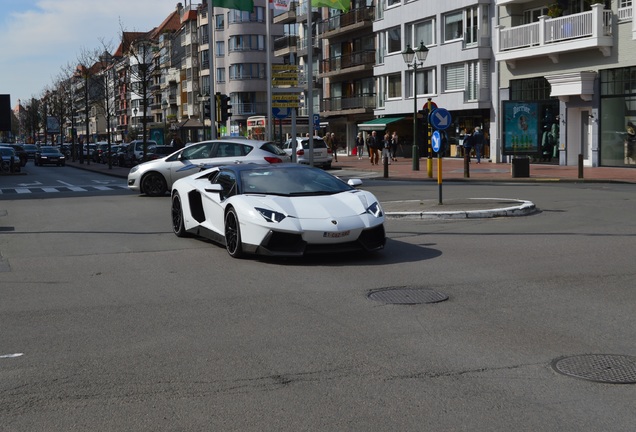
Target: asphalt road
{"type": "Point", "coordinates": [110, 322]}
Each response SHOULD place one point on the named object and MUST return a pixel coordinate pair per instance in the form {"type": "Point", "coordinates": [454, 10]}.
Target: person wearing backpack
{"type": "Point", "coordinates": [478, 142]}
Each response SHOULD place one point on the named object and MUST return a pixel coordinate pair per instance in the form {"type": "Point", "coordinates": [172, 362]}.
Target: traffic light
{"type": "Point", "coordinates": [226, 108]}
{"type": "Point", "coordinates": [206, 109]}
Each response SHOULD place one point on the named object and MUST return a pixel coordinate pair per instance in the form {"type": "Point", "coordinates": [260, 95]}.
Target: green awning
{"type": "Point", "coordinates": [378, 124]}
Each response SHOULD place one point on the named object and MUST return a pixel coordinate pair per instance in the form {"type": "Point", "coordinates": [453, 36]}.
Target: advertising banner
{"type": "Point", "coordinates": [521, 134]}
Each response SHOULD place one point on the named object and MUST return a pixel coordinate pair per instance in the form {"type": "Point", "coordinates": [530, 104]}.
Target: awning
{"type": "Point", "coordinates": [378, 124]}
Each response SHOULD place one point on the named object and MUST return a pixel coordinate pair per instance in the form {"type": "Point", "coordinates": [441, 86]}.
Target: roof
{"type": "Point", "coordinates": [378, 124]}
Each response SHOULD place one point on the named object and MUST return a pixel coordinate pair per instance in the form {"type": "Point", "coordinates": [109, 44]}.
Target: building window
{"type": "Point", "coordinates": [454, 77]}
{"type": "Point", "coordinates": [220, 49]}
{"type": "Point", "coordinates": [390, 3]}
{"type": "Point", "coordinates": [453, 26]}
{"type": "Point", "coordinates": [394, 40]}
{"type": "Point", "coordinates": [247, 43]}
{"type": "Point", "coordinates": [220, 75]}
{"type": "Point", "coordinates": [425, 82]}
{"type": "Point", "coordinates": [423, 31]}
{"type": "Point", "coordinates": [242, 71]}
{"type": "Point", "coordinates": [219, 22]}
{"type": "Point", "coordinates": [532, 15]}
{"type": "Point", "coordinates": [394, 86]}
{"type": "Point", "coordinates": [531, 89]}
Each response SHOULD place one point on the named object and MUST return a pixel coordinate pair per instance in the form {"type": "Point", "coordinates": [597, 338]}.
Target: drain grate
{"type": "Point", "coordinates": [407, 296]}
{"type": "Point", "coordinates": [604, 368]}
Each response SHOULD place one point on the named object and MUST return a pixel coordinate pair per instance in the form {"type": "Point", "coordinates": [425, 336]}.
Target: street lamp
{"type": "Point", "coordinates": [414, 59]}
{"type": "Point", "coordinates": [164, 106]}
{"type": "Point", "coordinates": [135, 122]}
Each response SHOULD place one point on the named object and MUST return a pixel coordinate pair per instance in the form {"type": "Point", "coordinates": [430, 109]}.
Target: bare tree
{"type": "Point", "coordinates": [142, 69]}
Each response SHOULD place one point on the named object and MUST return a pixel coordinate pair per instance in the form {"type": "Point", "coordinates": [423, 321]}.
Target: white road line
{"type": "Point", "coordinates": [49, 189]}
{"type": "Point", "coordinates": [11, 355]}
{"type": "Point", "coordinates": [22, 190]}
{"type": "Point", "coordinates": [102, 188]}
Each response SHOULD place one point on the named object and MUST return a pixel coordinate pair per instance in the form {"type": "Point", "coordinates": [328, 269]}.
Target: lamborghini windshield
{"type": "Point", "coordinates": [291, 181]}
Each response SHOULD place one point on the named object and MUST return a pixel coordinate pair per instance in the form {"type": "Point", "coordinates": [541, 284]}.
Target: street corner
{"type": "Point", "coordinates": [468, 208]}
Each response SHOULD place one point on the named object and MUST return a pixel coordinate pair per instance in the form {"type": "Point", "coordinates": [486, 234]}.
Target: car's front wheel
{"type": "Point", "coordinates": [153, 184]}
{"type": "Point", "coordinates": [233, 234]}
{"type": "Point", "coordinates": [178, 226]}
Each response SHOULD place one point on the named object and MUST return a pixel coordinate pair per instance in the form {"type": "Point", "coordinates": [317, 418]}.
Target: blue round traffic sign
{"type": "Point", "coordinates": [440, 119]}
{"type": "Point", "coordinates": [436, 141]}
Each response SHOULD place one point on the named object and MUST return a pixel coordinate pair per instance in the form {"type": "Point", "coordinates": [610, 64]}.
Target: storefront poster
{"type": "Point", "coordinates": [520, 128]}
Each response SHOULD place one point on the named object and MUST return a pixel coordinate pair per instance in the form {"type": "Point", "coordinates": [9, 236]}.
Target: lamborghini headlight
{"type": "Point", "coordinates": [375, 209]}
{"type": "Point", "coordinates": [270, 215]}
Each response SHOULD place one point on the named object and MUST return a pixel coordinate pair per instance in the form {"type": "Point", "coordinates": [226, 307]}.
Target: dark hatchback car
{"type": "Point", "coordinates": [9, 161]}
{"type": "Point", "coordinates": [19, 151]}
{"type": "Point", "coordinates": [31, 150]}
{"type": "Point", "coordinates": [48, 155]}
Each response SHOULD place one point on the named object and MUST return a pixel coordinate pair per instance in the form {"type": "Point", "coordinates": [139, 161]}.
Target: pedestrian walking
{"type": "Point", "coordinates": [374, 144]}
{"type": "Point", "coordinates": [478, 142]}
{"type": "Point", "coordinates": [386, 148]}
{"type": "Point", "coordinates": [334, 146]}
{"type": "Point", "coordinates": [468, 146]}
{"type": "Point", "coordinates": [359, 145]}
{"type": "Point", "coordinates": [394, 145]}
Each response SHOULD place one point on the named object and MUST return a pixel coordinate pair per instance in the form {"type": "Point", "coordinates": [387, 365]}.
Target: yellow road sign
{"type": "Point", "coordinates": [286, 82]}
{"type": "Point", "coordinates": [281, 104]}
{"type": "Point", "coordinates": [283, 75]}
{"type": "Point", "coordinates": [285, 68]}
{"type": "Point", "coordinates": [285, 97]}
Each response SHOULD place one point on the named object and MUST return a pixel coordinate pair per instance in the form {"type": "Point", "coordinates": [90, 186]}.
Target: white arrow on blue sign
{"type": "Point", "coordinates": [440, 119]}
{"type": "Point", "coordinates": [436, 141]}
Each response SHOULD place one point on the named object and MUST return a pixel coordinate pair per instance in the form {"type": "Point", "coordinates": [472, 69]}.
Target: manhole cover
{"type": "Point", "coordinates": [613, 369]}
{"type": "Point", "coordinates": [407, 296]}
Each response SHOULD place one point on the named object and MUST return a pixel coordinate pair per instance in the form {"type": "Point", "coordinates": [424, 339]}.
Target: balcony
{"type": "Point", "coordinates": [359, 61]}
{"type": "Point", "coordinates": [552, 36]}
{"type": "Point", "coordinates": [362, 104]}
{"type": "Point", "coordinates": [285, 45]}
{"type": "Point", "coordinates": [287, 16]}
{"type": "Point", "coordinates": [351, 21]}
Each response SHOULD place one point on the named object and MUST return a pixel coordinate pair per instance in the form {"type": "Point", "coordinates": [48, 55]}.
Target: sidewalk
{"type": "Point", "coordinates": [452, 170]}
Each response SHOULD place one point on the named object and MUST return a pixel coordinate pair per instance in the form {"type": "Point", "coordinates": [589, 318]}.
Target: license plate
{"type": "Point", "coordinates": [317, 154]}
{"type": "Point", "coordinates": [336, 234]}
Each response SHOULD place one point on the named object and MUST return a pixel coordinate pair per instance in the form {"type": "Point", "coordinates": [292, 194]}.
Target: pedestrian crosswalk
{"type": "Point", "coordinates": [59, 189]}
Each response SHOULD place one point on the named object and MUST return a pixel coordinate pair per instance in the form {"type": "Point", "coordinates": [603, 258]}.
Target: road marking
{"type": "Point", "coordinates": [11, 355]}
{"type": "Point", "coordinates": [22, 190]}
{"type": "Point", "coordinates": [49, 189]}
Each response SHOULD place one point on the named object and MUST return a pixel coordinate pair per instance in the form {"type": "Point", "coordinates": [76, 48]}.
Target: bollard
{"type": "Point", "coordinates": [385, 162]}
{"type": "Point", "coordinates": [466, 164]}
{"type": "Point", "coordinates": [580, 166]}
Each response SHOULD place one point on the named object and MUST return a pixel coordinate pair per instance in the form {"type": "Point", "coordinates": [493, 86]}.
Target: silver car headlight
{"type": "Point", "coordinates": [375, 209]}
{"type": "Point", "coordinates": [270, 215]}
{"type": "Point", "coordinates": [134, 169]}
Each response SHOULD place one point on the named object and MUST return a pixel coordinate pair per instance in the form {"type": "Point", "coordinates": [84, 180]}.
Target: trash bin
{"type": "Point", "coordinates": [520, 167]}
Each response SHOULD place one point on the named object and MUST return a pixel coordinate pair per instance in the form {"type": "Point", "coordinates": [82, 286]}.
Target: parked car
{"type": "Point", "coordinates": [277, 210]}
{"type": "Point", "coordinates": [98, 152]}
{"type": "Point", "coordinates": [156, 177]}
{"type": "Point", "coordinates": [322, 153]}
{"type": "Point", "coordinates": [49, 155]}
{"type": "Point", "coordinates": [31, 149]}
{"type": "Point", "coordinates": [9, 161]}
{"type": "Point", "coordinates": [136, 149]}
{"type": "Point", "coordinates": [19, 151]}
{"type": "Point", "coordinates": [159, 151]}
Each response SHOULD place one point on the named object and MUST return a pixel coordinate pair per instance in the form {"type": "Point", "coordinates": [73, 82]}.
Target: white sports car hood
{"type": "Point", "coordinates": [344, 204]}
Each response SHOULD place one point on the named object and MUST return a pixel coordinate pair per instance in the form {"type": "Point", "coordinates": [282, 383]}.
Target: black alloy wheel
{"type": "Point", "coordinates": [233, 234]}
{"type": "Point", "coordinates": [153, 184]}
{"type": "Point", "coordinates": [178, 226]}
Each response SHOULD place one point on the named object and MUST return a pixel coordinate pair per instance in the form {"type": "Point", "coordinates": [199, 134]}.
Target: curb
{"type": "Point", "coordinates": [521, 208]}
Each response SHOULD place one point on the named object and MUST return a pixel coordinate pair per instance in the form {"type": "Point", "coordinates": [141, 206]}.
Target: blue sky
{"type": "Point", "coordinates": [40, 38]}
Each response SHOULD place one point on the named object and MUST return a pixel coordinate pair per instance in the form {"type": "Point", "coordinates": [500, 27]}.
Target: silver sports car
{"type": "Point", "coordinates": [277, 210]}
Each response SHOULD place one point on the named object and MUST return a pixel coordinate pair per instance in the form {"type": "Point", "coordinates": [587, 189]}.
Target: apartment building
{"type": "Point", "coordinates": [239, 63]}
{"type": "Point", "coordinates": [572, 64]}
{"type": "Point", "coordinates": [456, 75]}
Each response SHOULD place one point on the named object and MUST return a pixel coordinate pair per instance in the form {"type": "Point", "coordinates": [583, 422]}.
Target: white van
{"type": "Point", "coordinates": [136, 148]}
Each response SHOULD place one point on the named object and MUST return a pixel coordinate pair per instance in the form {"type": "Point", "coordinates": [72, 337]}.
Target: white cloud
{"type": "Point", "coordinates": [40, 37]}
